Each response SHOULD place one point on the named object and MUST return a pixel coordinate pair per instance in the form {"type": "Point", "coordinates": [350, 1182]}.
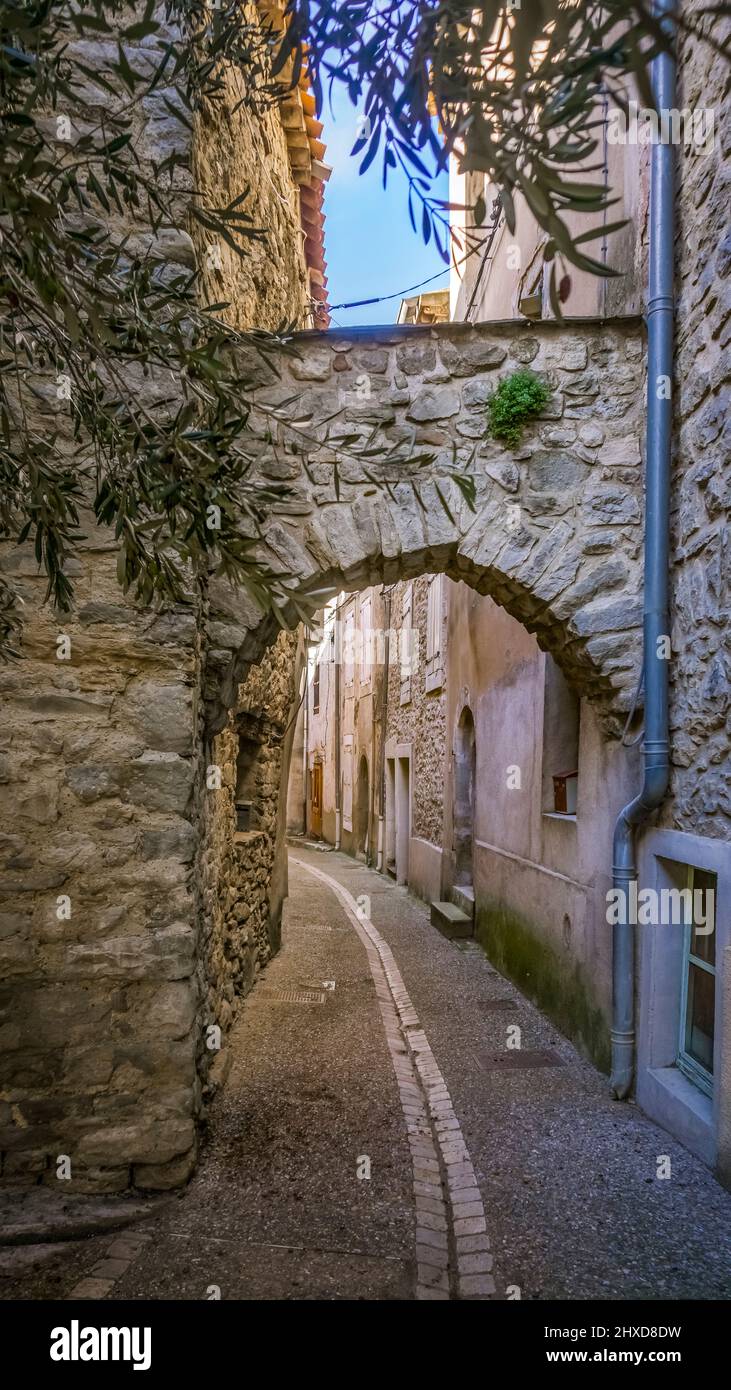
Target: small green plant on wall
{"type": "Point", "coordinates": [518, 399]}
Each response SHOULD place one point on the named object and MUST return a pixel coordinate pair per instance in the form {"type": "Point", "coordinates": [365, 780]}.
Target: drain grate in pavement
{"type": "Point", "coordinates": [493, 1005]}
{"type": "Point", "coordinates": [294, 996]}
{"type": "Point", "coordinates": [518, 1060]}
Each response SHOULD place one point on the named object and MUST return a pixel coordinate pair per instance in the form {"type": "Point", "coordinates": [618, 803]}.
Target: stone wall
{"type": "Point", "coordinates": [116, 951]}
{"type": "Point", "coordinates": [240, 874]}
{"type": "Point", "coordinates": [421, 721]}
{"type": "Point", "coordinates": [98, 921]}
{"type": "Point", "coordinates": [701, 594]}
{"type": "Point", "coordinates": [555, 535]}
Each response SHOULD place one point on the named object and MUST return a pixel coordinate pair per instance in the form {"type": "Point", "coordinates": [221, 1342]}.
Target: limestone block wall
{"type": "Point", "coordinates": [113, 956]}
{"type": "Point", "coordinates": [97, 920]}
{"type": "Point", "coordinates": [242, 875]}
{"type": "Point", "coordinates": [701, 668]}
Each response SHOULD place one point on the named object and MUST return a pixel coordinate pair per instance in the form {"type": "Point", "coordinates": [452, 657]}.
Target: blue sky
{"type": "Point", "coordinates": [370, 245]}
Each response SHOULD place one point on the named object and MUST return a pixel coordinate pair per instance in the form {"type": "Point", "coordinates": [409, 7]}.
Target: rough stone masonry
{"type": "Point", "coordinates": [383, 420]}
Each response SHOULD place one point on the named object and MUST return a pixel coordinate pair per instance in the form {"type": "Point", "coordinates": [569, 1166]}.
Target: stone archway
{"type": "Point", "coordinates": [371, 432]}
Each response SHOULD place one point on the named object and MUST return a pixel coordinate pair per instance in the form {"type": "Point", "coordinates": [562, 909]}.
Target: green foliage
{"type": "Point", "coordinates": [518, 399]}
{"type": "Point", "coordinates": [122, 393]}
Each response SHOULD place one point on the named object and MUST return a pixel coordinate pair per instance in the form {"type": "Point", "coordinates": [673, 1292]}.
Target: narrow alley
{"type": "Point", "coordinates": [377, 1138]}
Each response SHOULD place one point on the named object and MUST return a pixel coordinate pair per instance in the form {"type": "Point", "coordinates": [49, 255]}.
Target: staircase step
{"type": "Point", "coordinates": [450, 920]}
{"type": "Point", "coordinates": [463, 895]}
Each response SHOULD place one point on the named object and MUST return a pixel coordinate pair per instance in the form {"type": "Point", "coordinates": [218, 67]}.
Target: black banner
{"type": "Point", "coordinates": [101, 1339]}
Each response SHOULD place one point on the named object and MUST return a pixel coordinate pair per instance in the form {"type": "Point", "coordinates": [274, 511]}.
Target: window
{"type": "Point", "coordinates": [247, 780]}
{"type": "Point", "coordinates": [348, 782]}
{"type": "Point", "coordinates": [406, 643]}
{"type": "Point", "coordinates": [316, 689]}
{"type": "Point", "coordinates": [698, 983]}
{"type": "Point", "coordinates": [560, 743]}
{"type": "Point", "coordinates": [366, 642]}
{"type": "Point", "coordinates": [434, 609]}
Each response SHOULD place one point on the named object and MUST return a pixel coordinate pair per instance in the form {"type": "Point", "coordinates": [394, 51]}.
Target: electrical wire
{"type": "Point", "coordinates": [384, 298]}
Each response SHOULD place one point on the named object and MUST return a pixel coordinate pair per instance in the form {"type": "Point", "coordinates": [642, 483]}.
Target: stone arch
{"type": "Point", "coordinates": [554, 533]}
{"type": "Point", "coordinates": [463, 827]}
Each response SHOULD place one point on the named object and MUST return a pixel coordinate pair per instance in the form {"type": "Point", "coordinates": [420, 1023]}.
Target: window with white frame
{"type": "Point", "coordinates": [406, 643]}
{"type": "Point", "coordinates": [434, 678]}
{"type": "Point", "coordinates": [365, 645]}
{"type": "Point", "coordinates": [698, 982]}
{"type": "Point", "coordinates": [561, 723]}
{"type": "Point", "coordinates": [347, 774]}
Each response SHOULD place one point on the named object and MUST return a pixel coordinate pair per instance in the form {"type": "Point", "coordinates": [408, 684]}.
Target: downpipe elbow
{"type": "Point", "coordinates": [622, 1075]}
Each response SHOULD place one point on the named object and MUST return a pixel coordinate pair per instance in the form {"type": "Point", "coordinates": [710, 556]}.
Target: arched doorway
{"type": "Point", "coordinates": [464, 796]}
{"type": "Point", "coordinates": [361, 808]}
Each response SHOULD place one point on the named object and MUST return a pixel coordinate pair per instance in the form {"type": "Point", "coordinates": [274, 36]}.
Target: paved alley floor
{"type": "Point", "coordinates": [371, 1142]}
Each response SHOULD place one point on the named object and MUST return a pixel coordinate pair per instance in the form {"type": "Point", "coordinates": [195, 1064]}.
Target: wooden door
{"type": "Point", "coordinates": [316, 797]}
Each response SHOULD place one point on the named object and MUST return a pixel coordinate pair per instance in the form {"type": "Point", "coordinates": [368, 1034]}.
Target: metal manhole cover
{"type": "Point", "coordinates": [295, 996]}
{"type": "Point", "coordinates": [518, 1060]}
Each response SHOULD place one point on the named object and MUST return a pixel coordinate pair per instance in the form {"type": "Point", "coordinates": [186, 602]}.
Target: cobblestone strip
{"type": "Point", "coordinates": [102, 1277]}
{"type": "Point", "coordinates": [451, 1230]}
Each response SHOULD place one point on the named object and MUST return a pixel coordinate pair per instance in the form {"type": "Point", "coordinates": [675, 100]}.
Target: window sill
{"type": "Point", "coordinates": [668, 1097]}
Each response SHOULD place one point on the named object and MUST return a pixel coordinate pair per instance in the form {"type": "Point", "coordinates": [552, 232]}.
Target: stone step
{"type": "Point", "coordinates": [450, 920]}
{"type": "Point", "coordinates": [463, 895]}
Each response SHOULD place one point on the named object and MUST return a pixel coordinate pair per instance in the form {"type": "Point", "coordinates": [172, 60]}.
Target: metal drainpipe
{"type": "Point", "coordinates": [338, 801]}
{"type": "Point", "coordinates": [655, 744]}
{"type": "Point", "coordinates": [382, 865]}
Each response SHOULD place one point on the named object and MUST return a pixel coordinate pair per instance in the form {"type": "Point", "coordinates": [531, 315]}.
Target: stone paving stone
{"type": "Point", "coordinates": [477, 1263]}
{"type": "Point", "coordinates": [470, 1227]}
{"type": "Point", "coordinates": [467, 1244]}
{"type": "Point", "coordinates": [424, 1171]}
{"type": "Point", "coordinates": [109, 1268]}
{"type": "Point", "coordinates": [434, 1205]}
{"type": "Point", "coordinates": [426, 1236]}
{"type": "Point", "coordinates": [460, 1175]}
{"type": "Point", "coordinates": [482, 1285]}
{"type": "Point", "coordinates": [429, 1220]}
{"type": "Point", "coordinates": [428, 1255]}
{"type": "Point", "coordinates": [433, 1278]}
{"type": "Point", "coordinates": [91, 1288]}
{"type": "Point", "coordinates": [127, 1247]}
{"type": "Point", "coordinates": [467, 1197]}
{"type": "Point", "coordinates": [427, 1189]}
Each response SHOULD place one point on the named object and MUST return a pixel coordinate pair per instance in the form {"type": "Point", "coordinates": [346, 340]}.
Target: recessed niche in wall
{"type": "Point", "coordinates": [560, 743]}
{"type": "Point", "coordinates": [247, 769]}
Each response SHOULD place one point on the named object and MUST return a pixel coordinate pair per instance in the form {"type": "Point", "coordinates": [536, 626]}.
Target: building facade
{"type": "Point", "coordinates": [500, 785]}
